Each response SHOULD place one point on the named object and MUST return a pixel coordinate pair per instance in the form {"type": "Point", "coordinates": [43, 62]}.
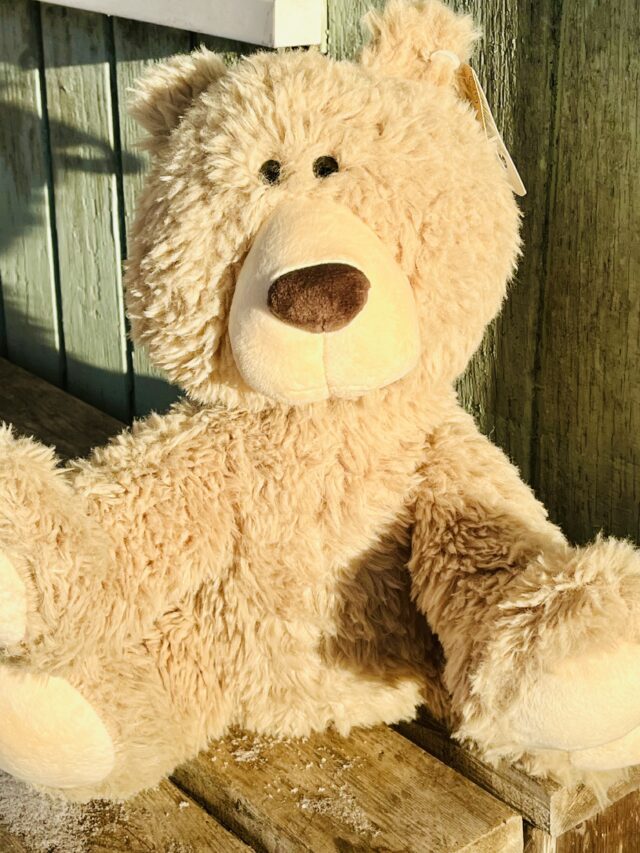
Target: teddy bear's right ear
{"type": "Point", "coordinates": [418, 40]}
{"type": "Point", "coordinates": [166, 91]}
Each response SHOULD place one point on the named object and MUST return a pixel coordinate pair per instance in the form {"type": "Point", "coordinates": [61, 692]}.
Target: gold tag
{"type": "Point", "coordinates": [471, 90]}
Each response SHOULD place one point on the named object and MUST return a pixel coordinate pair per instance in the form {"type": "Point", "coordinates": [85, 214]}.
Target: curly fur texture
{"type": "Point", "coordinates": [243, 561]}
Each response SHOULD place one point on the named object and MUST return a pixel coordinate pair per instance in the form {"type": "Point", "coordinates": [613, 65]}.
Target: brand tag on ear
{"type": "Point", "coordinates": [472, 91]}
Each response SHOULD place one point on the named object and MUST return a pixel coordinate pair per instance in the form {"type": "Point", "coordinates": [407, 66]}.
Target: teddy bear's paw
{"type": "Point", "coordinates": [586, 703]}
{"type": "Point", "coordinates": [624, 752]}
{"type": "Point", "coordinates": [13, 604]}
{"type": "Point", "coordinates": [49, 734]}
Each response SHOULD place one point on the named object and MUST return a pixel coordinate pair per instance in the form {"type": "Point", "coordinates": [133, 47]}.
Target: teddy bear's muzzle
{"type": "Point", "coordinates": [320, 298]}
{"type": "Point", "coordinates": [321, 308]}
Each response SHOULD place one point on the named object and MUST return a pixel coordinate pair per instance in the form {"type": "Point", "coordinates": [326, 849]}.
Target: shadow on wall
{"type": "Point", "coordinates": [23, 179]}
{"type": "Point", "coordinates": [31, 312]}
{"type": "Point", "coordinates": [146, 393]}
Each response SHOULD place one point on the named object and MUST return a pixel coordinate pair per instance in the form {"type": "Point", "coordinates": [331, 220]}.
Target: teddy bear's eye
{"type": "Point", "coordinates": [325, 166]}
{"type": "Point", "coordinates": [270, 171]}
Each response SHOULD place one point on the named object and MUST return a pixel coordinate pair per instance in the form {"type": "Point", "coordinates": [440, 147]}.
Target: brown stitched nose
{"type": "Point", "coordinates": [322, 298]}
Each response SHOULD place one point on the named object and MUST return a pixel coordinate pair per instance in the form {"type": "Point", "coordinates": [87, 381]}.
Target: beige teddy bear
{"type": "Point", "coordinates": [319, 535]}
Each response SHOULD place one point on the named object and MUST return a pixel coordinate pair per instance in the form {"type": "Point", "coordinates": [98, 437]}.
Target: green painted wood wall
{"type": "Point", "coordinates": [556, 381]}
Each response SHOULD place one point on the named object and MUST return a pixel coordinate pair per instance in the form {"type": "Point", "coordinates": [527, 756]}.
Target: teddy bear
{"type": "Point", "coordinates": [316, 535]}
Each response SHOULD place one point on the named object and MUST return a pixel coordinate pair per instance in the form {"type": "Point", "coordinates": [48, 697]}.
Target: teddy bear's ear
{"type": "Point", "coordinates": [163, 95]}
{"type": "Point", "coordinates": [418, 40]}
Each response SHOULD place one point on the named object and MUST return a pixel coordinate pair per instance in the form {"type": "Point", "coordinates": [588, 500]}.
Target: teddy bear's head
{"type": "Point", "coordinates": [314, 229]}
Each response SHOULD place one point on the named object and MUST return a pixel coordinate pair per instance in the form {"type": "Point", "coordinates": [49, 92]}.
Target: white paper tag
{"type": "Point", "coordinates": [472, 90]}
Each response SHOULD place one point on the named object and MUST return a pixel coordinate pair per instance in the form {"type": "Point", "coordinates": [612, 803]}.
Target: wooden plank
{"type": "Point", "coordinates": [36, 408]}
{"type": "Point", "coordinates": [588, 388]}
{"type": "Point", "coordinates": [229, 49]}
{"type": "Point", "coordinates": [538, 841]}
{"type": "Point", "coordinates": [345, 35]}
{"type": "Point", "coordinates": [163, 819]}
{"type": "Point", "coordinates": [530, 797]}
{"type": "Point", "coordinates": [136, 46]}
{"type": "Point", "coordinates": [516, 61]}
{"type": "Point", "coordinates": [371, 791]}
{"type": "Point", "coordinates": [543, 803]}
{"type": "Point", "coordinates": [617, 828]}
{"type": "Point", "coordinates": [76, 52]}
{"type": "Point", "coordinates": [27, 274]}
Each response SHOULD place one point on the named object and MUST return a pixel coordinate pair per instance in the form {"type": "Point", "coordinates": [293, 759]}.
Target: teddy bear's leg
{"type": "Point", "coordinates": [542, 640]}
{"type": "Point", "coordinates": [623, 752]}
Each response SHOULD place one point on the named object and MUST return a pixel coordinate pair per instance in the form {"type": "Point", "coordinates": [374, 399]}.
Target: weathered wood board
{"type": "Point", "coordinates": [30, 329]}
{"type": "Point", "coordinates": [543, 803]}
{"type": "Point", "coordinates": [163, 820]}
{"type": "Point", "coordinates": [372, 791]}
{"type": "Point", "coordinates": [36, 408]}
{"type": "Point", "coordinates": [588, 432]}
{"type": "Point", "coordinates": [77, 49]}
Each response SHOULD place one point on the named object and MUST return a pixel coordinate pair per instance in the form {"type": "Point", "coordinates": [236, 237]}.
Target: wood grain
{"type": "Point", "coordinates": [588, 381]}
{"type": "Point", "coordinates": [616, 829]}
{"type": "Point", "coordinates": [516, 61]}
{"type": "Point", "coordinates": [373, 791]}
{"type": "Point", "coordinates": [36, 408]}
{"type": "Point", "coordinates": [27, 263]}
{"type": "Point", "coordinates": [542, 802]}
{"type": "Point", "coordinates": [79, 95]}
{"type": "Point", "coordinates": [162, 820]}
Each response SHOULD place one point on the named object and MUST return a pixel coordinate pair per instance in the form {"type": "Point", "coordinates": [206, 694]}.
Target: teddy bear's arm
{"type": "Point", "coordinates": [542, 640]}
{"type": "Point", "coordinates": [46, 543]}
{"type": "Point", "coordinates": [141, 524]}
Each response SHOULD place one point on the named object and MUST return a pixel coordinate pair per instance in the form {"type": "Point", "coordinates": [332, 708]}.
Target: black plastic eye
{"type": "Point", "coordinates": [325, 166]}
{"type": "Point", "coordinates": [270, 171]}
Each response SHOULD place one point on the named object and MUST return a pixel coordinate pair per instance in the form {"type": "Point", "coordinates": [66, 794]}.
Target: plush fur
{"type": "Point", "coordinates": [287, 556]}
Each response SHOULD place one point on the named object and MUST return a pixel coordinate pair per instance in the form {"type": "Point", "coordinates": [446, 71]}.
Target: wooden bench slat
{"type": "Point", "coordinates": [36, 408]}
{"type": "Point", "coordinates": [542, 802]}
{"type": "Point", "coordinates": [163, 820]}
{"type": "Point", "coordinates": [371, 791]}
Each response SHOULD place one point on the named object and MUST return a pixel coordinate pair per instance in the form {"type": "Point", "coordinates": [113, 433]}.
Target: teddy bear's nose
{"type": "Point", "coordinates": [321, 298]}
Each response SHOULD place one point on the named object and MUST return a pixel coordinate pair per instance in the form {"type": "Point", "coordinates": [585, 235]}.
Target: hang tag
{"type": "Point", "coordinates": [472, 91]}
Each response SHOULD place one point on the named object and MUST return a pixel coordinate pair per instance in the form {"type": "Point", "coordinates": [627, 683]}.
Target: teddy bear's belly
{"type": "Point", "coordinates": [354, 653]}
{"type": "Point", "coordinates": [309, 684]}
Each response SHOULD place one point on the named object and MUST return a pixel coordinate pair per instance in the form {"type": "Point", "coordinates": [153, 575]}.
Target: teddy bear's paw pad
{"type": "Point", "coordinates": [624, 752]}
{"type": "Point", "coordinates": [49, 734]}
{"type": "Point", "coordinates": [585, 702]}
{"type": "Point", "coordinates": [13, 604]}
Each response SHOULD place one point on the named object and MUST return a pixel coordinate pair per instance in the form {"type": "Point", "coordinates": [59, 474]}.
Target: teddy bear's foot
{"type": "Point", "coordinates": [49, 734]}
{"type": "Point", "coordinates": [13, 604]}
{"type": "Point", "coordinates": [560, 661]}
{"type": "Point", "coordinates": [624, 752]}
{"type": "Point", "coordinates": [584, 703]}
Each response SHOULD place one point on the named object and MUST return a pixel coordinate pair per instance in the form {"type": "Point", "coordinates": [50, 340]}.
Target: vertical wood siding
{"type": "Point", "coordinates": [555, 382]}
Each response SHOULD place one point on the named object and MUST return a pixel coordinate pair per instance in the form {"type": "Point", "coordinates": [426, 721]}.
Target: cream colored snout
{"type": "Point", "coordinates": [307, 360]}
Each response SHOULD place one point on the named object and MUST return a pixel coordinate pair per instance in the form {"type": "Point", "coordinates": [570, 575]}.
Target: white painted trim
{"type": "Point", "coordinates": [270, 23]}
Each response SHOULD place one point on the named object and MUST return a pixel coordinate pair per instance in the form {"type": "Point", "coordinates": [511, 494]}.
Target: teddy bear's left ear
{"type": "Point", "coordinates": [418, 40]}
{"type": "Point", "coordinates": [166, 91]}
